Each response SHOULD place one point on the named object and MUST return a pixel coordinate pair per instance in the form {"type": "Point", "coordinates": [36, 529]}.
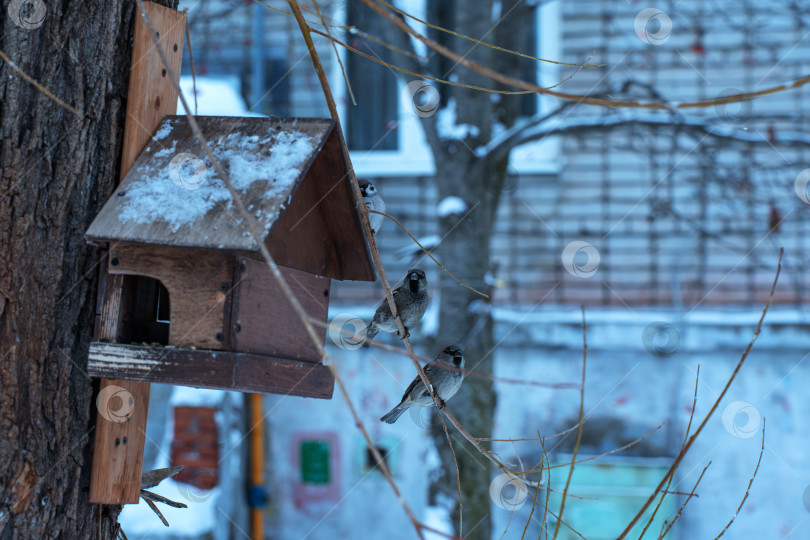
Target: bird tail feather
{"type": "Point", "coordinates": [369, 338]}
{"type": "Point", "coordinates": [392, 415]}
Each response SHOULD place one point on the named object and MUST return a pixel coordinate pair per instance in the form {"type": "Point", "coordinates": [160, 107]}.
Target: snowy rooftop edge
{"type": "Point", "coordinates": [724, 317]}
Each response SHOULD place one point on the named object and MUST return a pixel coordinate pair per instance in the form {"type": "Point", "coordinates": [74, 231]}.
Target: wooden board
{"type": "Point", "coordinates": [206, 369]}
{"type": "Point", "coordinates": [151, 93]}
{"type": "Point", "coordinates": [115, 476]}
{"type": "Point", "coordinates": [199, 284]}
{"type": "Point", "coordinates": [220, 227]}
{"type": "Point", "coordinates": [324, 213]}
{"type": "Point", "coordinates": [264, 320]}
{"type": "Point", "coordinates": [118, 454]}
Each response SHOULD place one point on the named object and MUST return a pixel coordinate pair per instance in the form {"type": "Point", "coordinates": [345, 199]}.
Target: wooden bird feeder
{"type": "Point", "coordinates": [198, 305]}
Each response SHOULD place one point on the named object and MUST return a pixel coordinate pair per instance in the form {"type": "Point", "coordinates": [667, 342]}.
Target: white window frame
{"type": "Point", "coordinates": [413, 157]}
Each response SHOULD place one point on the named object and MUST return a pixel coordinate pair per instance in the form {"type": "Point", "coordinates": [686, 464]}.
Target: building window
{"type": "Point", "coordinates": [372, 123]}
{"type": "Point", "coordinates": [385, 138]}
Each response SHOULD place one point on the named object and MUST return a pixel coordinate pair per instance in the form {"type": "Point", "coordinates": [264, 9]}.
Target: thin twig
{"type": "Point", "coordinates": [337, 54]}
{"type": "Point", "coordinates": [419, 75]}
{"type": "Point", "coordinates": [694, 436]}
{"type": "Point", "coordinates": [458, 476]}
{"type": "Point", "coordinates": [352, 29]}
{"type": "Point", "coordinates": [548, 488]}
{"type": "Point", "coordinates": [395, 220]}
{"type": "Point", "coordinates": [375, 255]}
{"type": "Point", "coordinates": [191, 61]}
{"type": "Point", "coordinates": [680, 510]}
{"type": "Point", "coordinates": [592, 458]}
{"type": "Point", "coordinates": [579, 428]}
{"type": "Point", "coordinates": [283, 285]}
{"type": "Point", "coordinates": [466, 372]}
{"type": "Point", "coordinates": [747, 489]}
{"type": "Point", "coordinates": [510, 81]}
{"type": "Point", "coordinates": [38, 86]}
{"type": "Point", "coordinates": [672, 477]}
{"type": "Point", "coordinates": [536, 491]}
{"type": "Point", "coordinates": [573, 74]}
{"type": "Point", "coordinates": [478, 42]}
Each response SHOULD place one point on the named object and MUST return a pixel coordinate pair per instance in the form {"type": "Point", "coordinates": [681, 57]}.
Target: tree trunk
{"type": "Point", "coordinates": [56, 170]}
{"type": "Point", "coordinates": [465, 249]}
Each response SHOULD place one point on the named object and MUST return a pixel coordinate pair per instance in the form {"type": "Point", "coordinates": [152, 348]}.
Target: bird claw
{"type": "Point", "coordinates": [407, 334]}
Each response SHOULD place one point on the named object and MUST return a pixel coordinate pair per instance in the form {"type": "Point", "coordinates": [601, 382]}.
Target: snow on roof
{"type": "Point", "coordinates": [182, 197]}
{"type": "Point", "coordinates": [172, 195]}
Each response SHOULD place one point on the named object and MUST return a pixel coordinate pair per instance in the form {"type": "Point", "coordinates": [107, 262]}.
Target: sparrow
{"type": "Point", "coordinates": [445, 381]}
{"type": "Point", "coordinates": [411, 298]}
{"type": "Point", "coordinates": [373, 201]}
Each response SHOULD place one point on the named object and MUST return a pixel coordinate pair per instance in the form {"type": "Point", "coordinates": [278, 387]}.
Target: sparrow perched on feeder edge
{"type": "Point", "coordinates": [411, 298]}
{"type": "Point", "coordinates": [373, 201]}
{"type": "Point", "coordinates": [446, 382]}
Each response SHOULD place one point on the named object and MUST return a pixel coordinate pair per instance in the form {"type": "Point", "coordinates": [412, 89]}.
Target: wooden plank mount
{"type": "Point", "coordinates": [123, 405]}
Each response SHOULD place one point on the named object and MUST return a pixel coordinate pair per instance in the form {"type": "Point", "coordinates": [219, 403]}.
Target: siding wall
{"type": "Point", "coordinates": [677, 219]}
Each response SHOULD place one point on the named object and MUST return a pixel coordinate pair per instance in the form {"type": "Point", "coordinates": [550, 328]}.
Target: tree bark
{"type": "Point", "coordinates": [56, 170]}
{"type": "Point", "coordinates": [465, 248]}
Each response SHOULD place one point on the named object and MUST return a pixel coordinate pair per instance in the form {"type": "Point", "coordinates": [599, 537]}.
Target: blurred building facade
{"type": "Point", "coordinates": [684, 211]}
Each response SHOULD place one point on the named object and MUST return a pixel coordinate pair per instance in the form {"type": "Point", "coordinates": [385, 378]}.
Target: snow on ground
{"type": "Point", "coordinates": [138, 520]}
{"type": "Point", "coordinates": [216, 96]}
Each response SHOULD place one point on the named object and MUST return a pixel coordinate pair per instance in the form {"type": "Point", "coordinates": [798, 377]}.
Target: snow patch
{"type": "Point", "coordinates": [429, 325]}
{"type": "Point", "coordinates": [216, 96]}
{"type": "Point", "coordinates": [166, 152]}
{"type": "Point", "coordinates": [439, 519]}
{"type": "Point", "coordinates": [160, 195]}
{"type": "Point", "coordinates": [451, 205]}
{"type": "Point", "coordinates": [184, 396]}
{"type": "Point", "coordinates": [163, 132]}
{"type": "Point", "coordinates": [447, 127]}
{"type": "Point", "coordinates": [195, 521]}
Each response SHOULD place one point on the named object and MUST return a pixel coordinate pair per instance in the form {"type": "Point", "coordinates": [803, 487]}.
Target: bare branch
{"type": "Point", "coordinates": [750, 482]}
{"type": "Point", "coordinates": [579, 424]}
{"type": "Point", "coordinates": [731, 378]}
{"type": "Point", "coordinates": [540, 127]}
{"type": "Point", "coordinates": [517, 83]}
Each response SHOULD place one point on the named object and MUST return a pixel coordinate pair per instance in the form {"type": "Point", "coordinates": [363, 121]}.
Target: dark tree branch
{"type": "Point", "coordinates": [538, 128]}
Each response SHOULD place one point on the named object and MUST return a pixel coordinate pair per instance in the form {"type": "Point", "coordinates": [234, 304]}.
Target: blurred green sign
{"type": "Point", "coordinates": [315, 462]}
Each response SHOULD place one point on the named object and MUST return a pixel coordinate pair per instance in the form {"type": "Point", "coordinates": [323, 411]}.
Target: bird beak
{"type": "Point", "coordinates": [414, 277]}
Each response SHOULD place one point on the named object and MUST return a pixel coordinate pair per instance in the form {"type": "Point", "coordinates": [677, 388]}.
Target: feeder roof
{"type": "Point", "coordinates": [172, 195]}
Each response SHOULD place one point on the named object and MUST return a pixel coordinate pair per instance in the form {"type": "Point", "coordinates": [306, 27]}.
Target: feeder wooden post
{"type": "Point", "coordinates": [119, 440]}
